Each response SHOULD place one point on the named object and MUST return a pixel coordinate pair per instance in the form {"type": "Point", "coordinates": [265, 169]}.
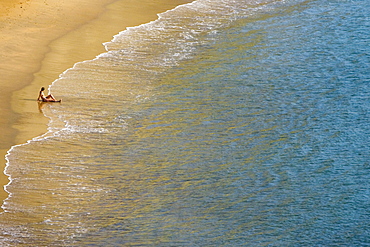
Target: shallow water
{"type": "Point", "coordinates": [241, 124]}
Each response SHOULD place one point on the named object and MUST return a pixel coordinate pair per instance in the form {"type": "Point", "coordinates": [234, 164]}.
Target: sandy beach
{"type": "Point", "coordinates": [42, 38]}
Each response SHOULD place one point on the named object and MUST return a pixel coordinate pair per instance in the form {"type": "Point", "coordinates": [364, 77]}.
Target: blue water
{"type": "Point", "coordinates": [222, 125]}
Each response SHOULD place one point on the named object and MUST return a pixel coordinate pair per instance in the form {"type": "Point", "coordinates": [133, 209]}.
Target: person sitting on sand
{"type": "Point", "coordinates": [49, 98]}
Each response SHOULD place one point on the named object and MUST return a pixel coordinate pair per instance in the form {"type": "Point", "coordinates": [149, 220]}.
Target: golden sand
{"type": "Point", "coordinates": [42, 38]}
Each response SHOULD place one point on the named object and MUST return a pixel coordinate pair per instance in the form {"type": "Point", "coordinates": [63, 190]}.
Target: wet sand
{"type": "Point", "coordinates": [42, 38]}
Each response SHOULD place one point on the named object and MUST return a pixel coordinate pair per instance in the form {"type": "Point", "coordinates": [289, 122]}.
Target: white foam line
{"type": "Point", "coordinates": [37, 138]}
{"type": "Point", "coordinates": [105, 44]}
{"type": "Point", "coordinates": [160, 16]}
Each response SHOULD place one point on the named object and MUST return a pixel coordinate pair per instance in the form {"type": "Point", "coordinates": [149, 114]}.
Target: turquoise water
{"type": "Point", "coordinates": [223, 123]}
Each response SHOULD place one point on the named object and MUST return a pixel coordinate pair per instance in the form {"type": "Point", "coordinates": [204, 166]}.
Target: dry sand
{"type": "Point", "coordinates": [42, 38]}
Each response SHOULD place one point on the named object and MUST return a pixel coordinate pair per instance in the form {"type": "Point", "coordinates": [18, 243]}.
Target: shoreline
{"type": "Point", "coordinates": [27, 29]}
{"type": "Point", "coordinates": [84, 41]}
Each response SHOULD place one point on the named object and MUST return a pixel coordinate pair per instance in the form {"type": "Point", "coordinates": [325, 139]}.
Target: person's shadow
{"type": "Point", "coordinates": [41, 105]}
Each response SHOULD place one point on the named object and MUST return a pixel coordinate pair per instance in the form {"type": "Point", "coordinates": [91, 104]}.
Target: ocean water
{"type": "Point", "coordinates": [222, 123]}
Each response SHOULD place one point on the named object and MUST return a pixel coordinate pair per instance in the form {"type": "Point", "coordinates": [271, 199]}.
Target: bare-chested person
{"type": "Point", "coordinates": [49, 98]}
